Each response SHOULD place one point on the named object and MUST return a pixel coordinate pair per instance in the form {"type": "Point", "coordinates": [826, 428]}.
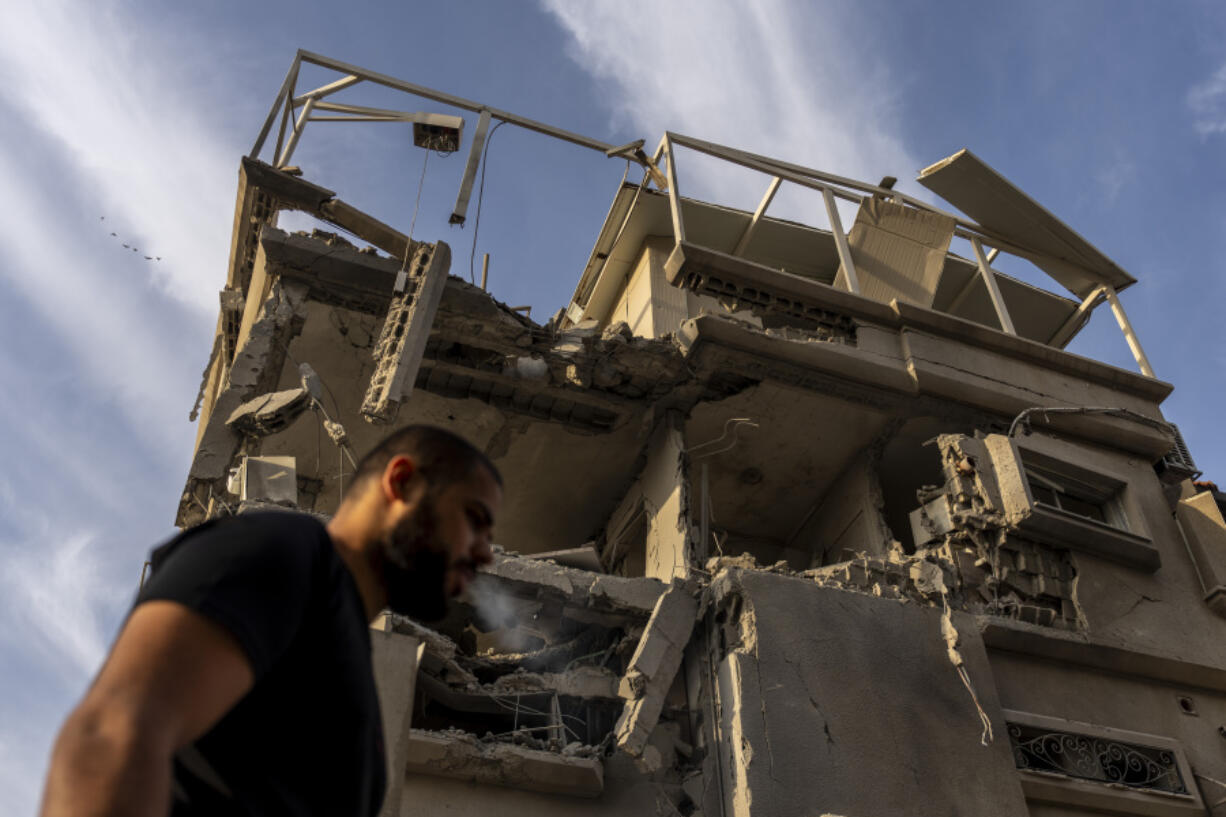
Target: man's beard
{"type": "Point", "coordinates": [414, 566]}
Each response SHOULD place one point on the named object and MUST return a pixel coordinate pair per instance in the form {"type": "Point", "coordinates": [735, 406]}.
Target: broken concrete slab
{"type": "Point", "coordinates": [584, 557]}
{"type": "Point", "coordinates": [269, 413]}
{"type": "Point", "coordinates": [406, 327]}
{"type": "Point", "coordinates": [654, 666]}
{"type": "Point", "coordinates": [440, 651]}
{"type": "Point", "coordinates": [580, 682]}
{"type": "Point", "coordinates": [578, 587]}
{"type": "Point", "coordinates": [462, 756]}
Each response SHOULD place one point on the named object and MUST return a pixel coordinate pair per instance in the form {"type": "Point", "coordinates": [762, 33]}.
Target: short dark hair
{"type": "Point", "coordinates": [441, 456]}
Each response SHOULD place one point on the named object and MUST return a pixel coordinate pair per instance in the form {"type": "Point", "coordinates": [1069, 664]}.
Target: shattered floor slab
{"type": "Point", "coordinates": [464, 757]}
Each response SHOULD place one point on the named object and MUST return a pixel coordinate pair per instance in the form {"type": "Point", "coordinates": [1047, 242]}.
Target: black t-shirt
{"type": "Point", "coordinates": [307, 739]}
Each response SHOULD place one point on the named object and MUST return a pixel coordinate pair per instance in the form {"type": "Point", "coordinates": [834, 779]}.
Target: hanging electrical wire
{"type": "Point", "coordinates": [485, 152]}
{"type": "Point", "coordinates": [417, 204]}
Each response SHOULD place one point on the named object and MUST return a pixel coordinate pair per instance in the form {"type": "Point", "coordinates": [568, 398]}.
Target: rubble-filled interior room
{"type": "Point", "coordinates": [801, 518]}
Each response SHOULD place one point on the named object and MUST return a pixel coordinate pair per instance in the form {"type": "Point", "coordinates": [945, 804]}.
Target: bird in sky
{"type": "Point", "coordinates": [154, 258]}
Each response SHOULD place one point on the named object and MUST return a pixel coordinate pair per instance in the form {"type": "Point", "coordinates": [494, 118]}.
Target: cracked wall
{"type": "Point", "coordinates": [867, 685]}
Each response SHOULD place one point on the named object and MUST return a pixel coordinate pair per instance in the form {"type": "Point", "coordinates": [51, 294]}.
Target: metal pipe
{"type": "Point", "coordinates": [1065, 332]}
{"type": "Point", "coordinates": [989, 280]}
{"type": "Point", "coordinates": [327, 90]}
{"type": "Point", "coordinates": [840, 241]}
{"type": "Point", "coordinates": [485, 271]}
{"type": "Point", "coordinates": [459, 213]}
{"type": "Point", "coordinates": [290, 77]}
{"type": "Point", "coordinates": [674, 193]}
{"type": "Point", "coordinates": [297, 134]}
{"type": "Point", "coordinates": [752, 227]}
{"type": "Point", "coordinates": [455, 101]}
{"type": "Point", "coordinates": [1134, 343]}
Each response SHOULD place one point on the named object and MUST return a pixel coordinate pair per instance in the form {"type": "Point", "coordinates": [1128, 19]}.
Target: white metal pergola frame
{"type": "Point", "coordinates": [297, 109]}
{"type": "Point", "coordinates": [834, 187]}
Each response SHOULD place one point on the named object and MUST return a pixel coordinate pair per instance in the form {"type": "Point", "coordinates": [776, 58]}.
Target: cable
{"type": "Point", "coordinates": [1023, 418]}
{"type": "Point", "coordinates": [417, 205]}
{"type": "Point", "coordinates": [735, 423]}
{"type": "Point", "coordinates": [336, 406]}
{"type": "Point", "coordinates": [472, 255]}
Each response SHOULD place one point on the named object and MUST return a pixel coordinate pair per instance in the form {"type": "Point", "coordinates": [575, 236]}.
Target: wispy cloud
{"type": "Point", "coordinates": [56, 600]}
{"type": "Point", "coordinates": [131, 129]}
{"type": "Point", "coordinates": [1117, 171]}
{"type": "Point", "coordinates": [105, 124]}
{"type": "Point", "coordinates": [99, 116]}
{"type": "Point", "coordinates": [793, 86]}
{"type": "Point", "coordinates": [1207, 101]}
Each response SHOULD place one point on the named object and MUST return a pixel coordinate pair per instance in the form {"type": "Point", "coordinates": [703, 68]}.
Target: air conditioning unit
{"type": "Point", "coordinates": [436, 131]}
{"type": "Point", "coordinates": [1177, 464]}
{"type": "Point", "coordinates": [266, 479]}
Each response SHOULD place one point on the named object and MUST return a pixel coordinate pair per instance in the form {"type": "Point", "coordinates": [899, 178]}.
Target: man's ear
{"type": "Point", "coordinates": [398, 478]}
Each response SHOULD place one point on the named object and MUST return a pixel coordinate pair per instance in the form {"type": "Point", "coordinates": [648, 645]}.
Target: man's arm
{"type": "Point", "coordinates": [170, 677]}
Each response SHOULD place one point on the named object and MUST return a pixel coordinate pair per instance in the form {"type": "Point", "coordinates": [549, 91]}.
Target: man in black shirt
{"type": "Point", "coordinates": [241, 682]}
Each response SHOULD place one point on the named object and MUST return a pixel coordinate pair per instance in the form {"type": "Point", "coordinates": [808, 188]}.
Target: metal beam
{"type": "Point", "coordinates": [752, 227]}
{"type": "Point", "coordinates": [454, 101]}
{"type": "Point", "coordinates": [296, 135]}
{"type": "Point", "coordinates": [1130, 335]}
{"type": "Point", "coordinates": [969, 285]}
{"type": "Point", "coordinates": [287, 113]}
{"type": "Point", "coordinates": [290, 77]}
{"type": "Point", "coordinates": [460, 211]}
{"type": "Point", "coordinates": [327, 90]}
{"type": "Point", "coordinates": [674, 194]}
{"type": "Point", "coordinates": [742, 156]}
{"type": "Point", "coordinates": [962, 294]}
{"type": "Point", "coordinates": [1066, 330]}
{"type": "Point", "coordinates": [989, 280]}
{"type": "Point", "coordinates": [819, 180]}
{"type": "Point", "coordinates": [363, 110]}
{"type": "Point", "coordinates": [840, 241]}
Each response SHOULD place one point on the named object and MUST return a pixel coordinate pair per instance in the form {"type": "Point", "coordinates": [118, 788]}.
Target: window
{"type": "Point", "coordinates": [1086, 766]}
{"type": "Point", "coordinates": [1098, 500]}
{"type": "Point", "coordinates": [1058, 501]}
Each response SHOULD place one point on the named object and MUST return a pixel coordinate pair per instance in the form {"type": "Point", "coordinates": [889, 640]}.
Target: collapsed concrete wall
{"type": "Point", "coordinates": [867, 684]}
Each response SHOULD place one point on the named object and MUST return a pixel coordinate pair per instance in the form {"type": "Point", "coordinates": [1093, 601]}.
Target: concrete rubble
{"type": "Point", "coordinates": [653, 667]}
{"type": "Point", "coordinates": [775, 542]}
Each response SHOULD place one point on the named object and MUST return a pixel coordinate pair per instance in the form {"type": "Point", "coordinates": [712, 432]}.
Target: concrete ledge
{"type": "Point", "coordinates": [690, 262]}
{"type": "Point", "coordinates": [1061, 528]}
{"type": "Point", "coordinates": [985, 337]}
{"type": "Point", "coordinates": [463, 757]}
{"type": "Point", "coordinates": [832, 357]}
{"type": "Point", "coordinates": [1057, 645]}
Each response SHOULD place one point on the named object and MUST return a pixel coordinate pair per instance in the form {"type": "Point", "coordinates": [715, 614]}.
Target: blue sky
{"type": "Point", "coordinates": [1112, 114]}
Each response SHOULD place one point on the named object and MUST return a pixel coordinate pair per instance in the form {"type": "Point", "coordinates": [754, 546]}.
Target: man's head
{"type": "Point", "coordinates": [424, 501]}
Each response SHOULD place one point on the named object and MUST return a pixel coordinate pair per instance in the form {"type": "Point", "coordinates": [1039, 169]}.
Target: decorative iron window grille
{"type": "Point", "coordinates": [1086, 757]}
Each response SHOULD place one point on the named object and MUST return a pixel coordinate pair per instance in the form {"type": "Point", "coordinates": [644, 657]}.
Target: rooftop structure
{"type": "Point", "coordinates": [799, 519]}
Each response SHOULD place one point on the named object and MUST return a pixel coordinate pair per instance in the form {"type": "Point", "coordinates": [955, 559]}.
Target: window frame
{"type": "Point", "coordinates": [1121, 537]}
{"type": "Point", "coordinates": [1058, 789]}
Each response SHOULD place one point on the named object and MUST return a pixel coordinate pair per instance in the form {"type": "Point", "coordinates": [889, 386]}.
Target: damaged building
{"type": "Point", "coordinates": [800, 519]}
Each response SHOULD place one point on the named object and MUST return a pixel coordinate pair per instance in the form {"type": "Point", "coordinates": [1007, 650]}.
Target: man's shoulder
{"type": "Point", "coordinates": [277, 534]}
